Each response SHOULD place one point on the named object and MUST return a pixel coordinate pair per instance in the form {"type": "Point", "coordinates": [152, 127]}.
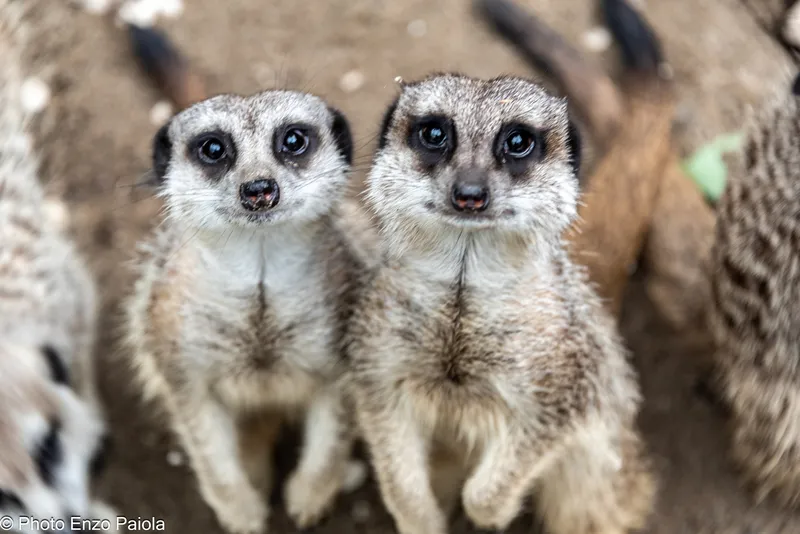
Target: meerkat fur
{"type": "Point", "coordinates": [483, 367]}
{"type": "Point", "coordinates": [52, 433]}
{"type": "Point", "coordinates": [237, 319]}
{"type": "Point", "coordinates": [755, 288]}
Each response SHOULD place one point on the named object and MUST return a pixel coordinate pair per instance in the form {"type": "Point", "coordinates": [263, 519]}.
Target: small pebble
{"type": "Point", "coordinates": [361, 511]}
{"type": "Point", "coordinates": [417, 28]}
{"type": "Point", "coordinates": [35, 95]}
{"type": "Point", "coordinates": [352, 81]}
{"type": "Point", "coordinates": [145, 12]}
{"type": "Point", "coordinates": [161, 112]}
{"type": "Point", "coordinates": [398, 79]}
{"type": "Point", "coordinates": [174, 458]}
{"type": "Point", "coordinates": [56, 213]}
{"type": "Point", "coordinates": [597, 39]}
{"type": "Point", "coordinates": [96, 7]}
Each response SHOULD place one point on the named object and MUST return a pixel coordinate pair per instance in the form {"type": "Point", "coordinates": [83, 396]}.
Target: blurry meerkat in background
{"type": "Point", "coordinates": [754, 315]}
{"type": "Point", "coordinates": [636, 200]}
{"type": "Point", "coordinates": [52, 434]}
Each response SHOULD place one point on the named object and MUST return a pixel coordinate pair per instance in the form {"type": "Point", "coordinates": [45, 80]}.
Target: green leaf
{"type": "Point", "coordinates": [706, 166]}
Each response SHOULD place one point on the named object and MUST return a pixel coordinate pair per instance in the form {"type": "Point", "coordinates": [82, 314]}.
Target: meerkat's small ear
{"type": "Point", "coordinates": [162, 153]}
{"type": "Point", "coordinates": [386, 123]}
{"type": "Point", "coordinates": [58, 370]}
{"type": "Point", "coordinates": [575, 146]}
{"type": "Point", "coordinates": [341, 135]}
{"type": "Point", "coordinates": [796, 85]}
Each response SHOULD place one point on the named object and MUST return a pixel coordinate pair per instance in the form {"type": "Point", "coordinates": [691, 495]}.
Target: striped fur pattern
{"type": "Point", "coordinates": [756, 289]}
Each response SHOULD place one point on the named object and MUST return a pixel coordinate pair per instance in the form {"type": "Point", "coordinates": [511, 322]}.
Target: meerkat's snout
{"type": "Point", "coordinates": [259, 195]}
{"type": "Point", "coordinates": [470, 193]}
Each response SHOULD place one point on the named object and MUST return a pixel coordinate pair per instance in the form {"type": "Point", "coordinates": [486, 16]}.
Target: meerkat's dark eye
{"type": "Point", "coordinates": [295, 142]}
{"type": "Point", "coordinates": [433, 136]}
{"type": "Point", "coordinates": [211, 150]}
{"type": "Point", "coordinates": [519, 143]}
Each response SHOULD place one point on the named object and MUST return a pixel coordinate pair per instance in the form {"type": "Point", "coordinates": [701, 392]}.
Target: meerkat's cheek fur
{"type": "Point", "coordinates": [482, 366]}
{"type": "Point", "coordinates": [754, 313]}
{"type": "Point", "coordinates": [237, 319]}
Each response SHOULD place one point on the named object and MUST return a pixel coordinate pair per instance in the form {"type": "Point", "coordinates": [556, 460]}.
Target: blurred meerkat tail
{"type": "Point", "coordinates": [625, 189]}
{"type": "Point", "coordinates": [166, 66]}
{"type": "Point", "coordinates": [593, 94]}
{"type": "Point", "coordinates": [639, 47]}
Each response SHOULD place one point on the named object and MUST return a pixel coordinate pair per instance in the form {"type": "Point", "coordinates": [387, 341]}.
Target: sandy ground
{"type": "Point", "coordinates": [94, 139]}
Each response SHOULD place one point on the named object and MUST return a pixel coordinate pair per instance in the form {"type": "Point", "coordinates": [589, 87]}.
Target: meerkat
{"type": "Point", "coordinates": [52, 444]}
{"type": "Point", "coordinates": [482, 364]}
{"type": "Point", "coordinates": [52, 431]}
{"type": "Point", "coordinates": [47, 294]}
{"type": "Point", "coordinates": [636, 201]}
{"type": "Point", "coordinates": [753, 312]}
{"type": "Point", "coordinates": [237, 319]}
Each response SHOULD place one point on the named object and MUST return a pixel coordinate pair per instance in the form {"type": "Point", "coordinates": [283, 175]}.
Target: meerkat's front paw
{"type": "Point", "coordinates": [487, 509]}
{"type": "Point", "coordinates": [244, 512]}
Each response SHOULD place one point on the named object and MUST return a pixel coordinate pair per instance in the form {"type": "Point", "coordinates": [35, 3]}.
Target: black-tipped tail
{"type": "Point", "coordinates": [166, 66]}
{"type": "Point", "coordinates": [637, 41]}
{"type": "Point", "coordinates": [796, 85]}
{"type": "Point", "coordinates": [156, 54]}
{"type": "Point", "coordinates": [521, 29]}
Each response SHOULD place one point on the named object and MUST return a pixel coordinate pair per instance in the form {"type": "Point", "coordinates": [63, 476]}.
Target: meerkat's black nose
{"type": "Point", "coordinates": [259, 194]}
{"type": "Point", "coordinates": [470, 197]}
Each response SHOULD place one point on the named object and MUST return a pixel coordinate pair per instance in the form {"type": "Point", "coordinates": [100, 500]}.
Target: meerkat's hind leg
{"type": "Point", "coordinates": [257, 438]}
{"type": "Point", "coordinates": [598, 486]}
{"type": "Point", "coordinates": [324, 468]}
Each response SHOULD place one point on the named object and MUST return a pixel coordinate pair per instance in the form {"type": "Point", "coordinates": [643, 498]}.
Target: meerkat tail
{"type": "Point", "coordinates": [637, 42]}
{"type": "Point", "coordinates": [678, 245]}
{"type": "Point", "coordinates": [597, 101]}
{"type": "Point", "coordinates": [166, 66]}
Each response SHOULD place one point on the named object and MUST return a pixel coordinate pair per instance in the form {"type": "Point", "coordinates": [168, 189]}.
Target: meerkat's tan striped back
{"type": "Point", "coordinates": [754, 314]}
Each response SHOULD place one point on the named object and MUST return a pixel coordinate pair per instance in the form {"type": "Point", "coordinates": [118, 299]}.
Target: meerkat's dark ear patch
{"type": "Point", "coordinates": [58, 370]}
{"type": "Point", "coordinates": [575, 146]}
{"type": "Point", "coordinates": [342, 135]}
{"type": "Point", "coordinates": [162, 153]}
{"type": "Point", "coordinates": [796, 85]}
{"type": "Point", "coordinates": [386, 123]}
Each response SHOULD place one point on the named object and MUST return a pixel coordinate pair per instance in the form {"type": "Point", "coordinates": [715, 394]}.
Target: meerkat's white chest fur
{"type": "Point", "coordinates": [256, 317]}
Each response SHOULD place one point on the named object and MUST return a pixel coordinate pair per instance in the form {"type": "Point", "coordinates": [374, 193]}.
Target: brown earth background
{"type": "Point", "coordinates": [94, 141]}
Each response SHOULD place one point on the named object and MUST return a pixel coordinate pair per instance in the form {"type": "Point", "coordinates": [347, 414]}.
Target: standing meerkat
{"type": "Point", "coordinates": [238, 314]}
{"type": "Point", "coordinates": [481, 361]}
{"type": "Point", "coordinates": [754, 314]}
